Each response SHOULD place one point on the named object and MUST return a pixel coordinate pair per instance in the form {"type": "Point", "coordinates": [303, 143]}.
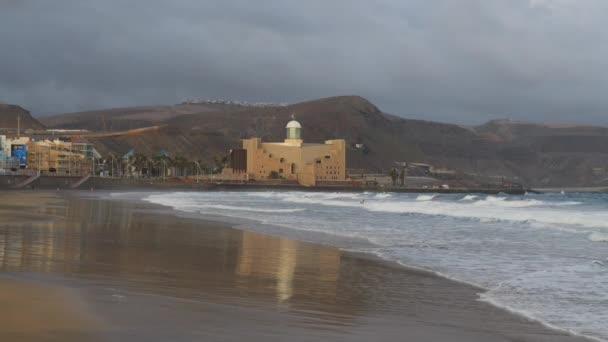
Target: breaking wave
{"type": "Point", "coordinates": [491, 208]}
{"type": "Point", "coordinates": [258, 210]}
{"type": "Point", "coordinates": [425, 197]}
{"type": "Point", "coordinates": [598, 237]}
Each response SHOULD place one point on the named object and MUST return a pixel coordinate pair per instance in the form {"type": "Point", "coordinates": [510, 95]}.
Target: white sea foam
{"type": "Point", "coordinates": [484, 297]}
{"type": "Point", "coordinates": [490, 209]}
{"type": "Point", "coordinates": [542, 294]}
{"type": "Point", "coordinates": [259, 210]}
{"type": "Point", "coordinates": [425, 197]}
{"type": "Point", "coordinates": [495, 199]}
{"type": "Point", "coordinates": [504, 202]}
{"type": "Point", "coordinates": [268, 194]}
{"type": "Point", "coordinates": [192, 205]}
{"type": "Point", "coordinates": [469, 198]}
{"type": "Point", "coordinates": [598, 237]}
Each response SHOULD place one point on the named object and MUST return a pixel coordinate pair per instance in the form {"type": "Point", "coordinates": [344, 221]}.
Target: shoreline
{"type": "Point", "coordinates": [453, 309]}
{"type": "Point", "coordinates": [387, 263]}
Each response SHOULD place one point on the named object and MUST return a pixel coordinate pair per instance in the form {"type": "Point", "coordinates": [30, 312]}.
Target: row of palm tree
{"type": "Point", "coordinates": [141, 165]}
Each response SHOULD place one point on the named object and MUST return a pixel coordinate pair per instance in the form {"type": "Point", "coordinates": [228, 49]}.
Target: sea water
{"type": "Point", "coordinates": [542, 256]}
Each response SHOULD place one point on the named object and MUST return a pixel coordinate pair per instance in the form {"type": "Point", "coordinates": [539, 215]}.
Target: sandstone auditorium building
{"type": "Point", "coordinates": [292, 159]}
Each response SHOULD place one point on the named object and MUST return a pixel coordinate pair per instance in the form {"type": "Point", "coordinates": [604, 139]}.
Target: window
{"type": "Point", "coordinates": [282, 160]}
{"type": "Point", "coordinates": [327, 157]}
{"type": "Point", "coordinates": [280, 170]}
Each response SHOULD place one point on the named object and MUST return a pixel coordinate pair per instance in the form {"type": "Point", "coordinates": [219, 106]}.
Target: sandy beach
{"type": "Point", "coordinates": [74, 267]}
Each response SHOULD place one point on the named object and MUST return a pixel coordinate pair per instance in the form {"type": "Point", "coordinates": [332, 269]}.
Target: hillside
{"type": "Point", "coordinates": [551, 154]}
{"type": "Point", "coordinates": [118, 119]}
{"type": "Point", "coordinates": [539, 155]}
{"type": "Point", "coordinates": [9, 114]}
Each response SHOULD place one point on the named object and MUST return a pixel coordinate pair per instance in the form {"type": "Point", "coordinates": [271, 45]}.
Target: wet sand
{"type": "Point", "coordinates": [92, 269]}
{"type": "Point", "coordinates": [35, 312]}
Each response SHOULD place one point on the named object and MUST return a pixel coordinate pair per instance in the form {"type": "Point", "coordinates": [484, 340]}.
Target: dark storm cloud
{"type": "Point", "coordinates": [461, 61]}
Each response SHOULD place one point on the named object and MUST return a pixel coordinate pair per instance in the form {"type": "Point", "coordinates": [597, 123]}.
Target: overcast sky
{"type": "Point", "coordinates": [463, 61]}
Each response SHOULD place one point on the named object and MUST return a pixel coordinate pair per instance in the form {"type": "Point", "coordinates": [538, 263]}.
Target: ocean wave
{"type": "Point", "coordinates": [426, 197]}
{"type": "Point", "coordinates": [264, 194]}
{"type": "Point", "coordinates": [252, 209]}
{"type": "Point", "coordinates": [598, 237]}
{"type": "Point", "coordinates": [514, 213]}
{"type": "Point", "coordinates": [324, 202]}
{"type": "Point", "coordinates": [504, 202]}
{"type": "Point", "coordinates": [492, 209]}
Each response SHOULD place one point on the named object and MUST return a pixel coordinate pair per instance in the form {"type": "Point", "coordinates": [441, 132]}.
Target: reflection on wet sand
{"type": "Point", "coordinates": [286, 257]}
{"type": "Point", "coordinates": [143, 274]}
{"type": "Point", "coordinates": [129, 246]}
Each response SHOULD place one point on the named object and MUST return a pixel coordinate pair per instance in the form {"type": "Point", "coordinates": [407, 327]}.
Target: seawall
{"type": "Point", "coordinates": [101, 183]}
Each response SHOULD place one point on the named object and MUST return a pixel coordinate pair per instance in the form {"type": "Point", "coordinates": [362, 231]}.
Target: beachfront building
{"type": "Point", "coordinates": [82, 146]}
{"type": "Point", "coordinates": [13, 152]}
{"type": "Point", "coordinates": [58, 157]}
{"type": "Point", "coordinates": [292, 159]}
{"type": "Point", "coordinates": [7, 162]}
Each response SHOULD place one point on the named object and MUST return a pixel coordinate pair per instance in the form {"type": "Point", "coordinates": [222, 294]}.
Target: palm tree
{"type": "Point", "coordinates": [128, 164]}
{"type": "Point", "coordinates": [204, 167]}
{"type": "Point", "coordinates": [160, 164]}
{"type": "Point", "coordinates": [402, 176]}
{"type": "Point", "coordinates": [181, 164]}
{"type": "Point", "coordinates": [196, 168]}
{"type": "Point", "coordinates": [394, 176]}
{"type": "Point", "coordinates": [111, 159]}
{"type": "Point", "coordinates": [154, 164]}
{"type": "Point", "coordinates": [220, 162]}
{"type": "Point", "coordinates": [139, 162]}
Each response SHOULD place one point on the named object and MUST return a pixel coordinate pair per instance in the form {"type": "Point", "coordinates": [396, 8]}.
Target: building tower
{"type": "Point", "coordinates": [294, 133]}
